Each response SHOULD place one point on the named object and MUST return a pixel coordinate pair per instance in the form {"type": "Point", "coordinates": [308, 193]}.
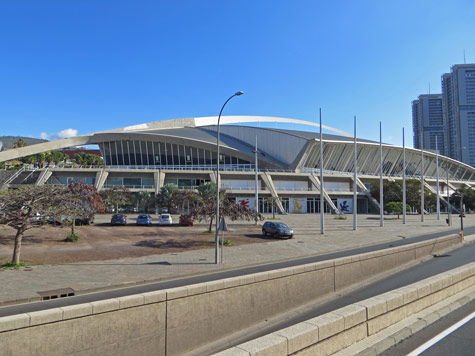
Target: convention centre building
{"type": "Point", "coordinates": [183, 152]}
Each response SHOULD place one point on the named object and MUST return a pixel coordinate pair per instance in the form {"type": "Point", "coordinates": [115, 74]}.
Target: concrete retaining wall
{"type": "Point", "coordinates": [332, 332]}
{"type": "Point", "coordinates": [174, 321]}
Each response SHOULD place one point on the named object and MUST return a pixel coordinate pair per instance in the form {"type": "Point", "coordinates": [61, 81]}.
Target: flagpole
{"type": "Point", "coordinates": [403, 179]}
{"type": "Point", "coordinates": [422, 179]}
{"type": "Point", "coordinates": [437, 177]}
{"type": "Point", "coordinates": [322, 204]}
{"type": "Point", "coordinates": [355, 196]}
{"type": "Point", "coordinates": [381, 189]}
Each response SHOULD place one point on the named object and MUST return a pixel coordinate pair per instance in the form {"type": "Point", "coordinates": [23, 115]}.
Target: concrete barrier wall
{"type": "Point", "coordinates": [332, 332]}
{"type": "Point", "coordinates": [174, 321]}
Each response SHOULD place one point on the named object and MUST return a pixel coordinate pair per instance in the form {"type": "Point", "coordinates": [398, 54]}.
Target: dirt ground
{"type": "Point", "coordinates": [101, 241]}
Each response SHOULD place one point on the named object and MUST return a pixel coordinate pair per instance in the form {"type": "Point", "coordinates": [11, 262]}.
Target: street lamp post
{"type": "Point", "coordinates": [216, 237]}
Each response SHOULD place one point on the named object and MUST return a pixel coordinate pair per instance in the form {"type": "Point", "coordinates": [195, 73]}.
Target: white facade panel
{"type": "Point", "coordinates": [242, 184]}
{"type": "Point", "coordinates": [290, 185]}
{"type": "Point", "coordinates": [336, 186]}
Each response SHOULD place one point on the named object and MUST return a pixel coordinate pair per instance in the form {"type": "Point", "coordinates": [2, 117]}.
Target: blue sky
{"type": "Point", "coordinates": [78, 67]}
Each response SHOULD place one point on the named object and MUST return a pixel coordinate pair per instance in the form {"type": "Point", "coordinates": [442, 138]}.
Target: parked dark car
{"type": "Point", "coordinates": [186, 220]}
{"type": "Point", "coordinates": [66, 220]}
{"type": "Point", "coordinates": [87, 220]}
{"type": "Point", "coordinates": [144, 219]}
{"type": "Point", "coordinates": [277, 229]}
{"type": "Point", "coordinates": [119, 219]}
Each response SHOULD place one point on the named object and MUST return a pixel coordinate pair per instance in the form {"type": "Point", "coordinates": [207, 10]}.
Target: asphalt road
{"type": "Point", "coordinates": [459, 343]}
{"type": "Point", "coordinates": [436, 265]}
{"type": "Point", "coordinates": [114, 293]}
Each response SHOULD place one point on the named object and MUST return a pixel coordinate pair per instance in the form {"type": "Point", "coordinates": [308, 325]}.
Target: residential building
{"type": "Point", "coordinates": [428, 123]}
{"type": "Point", "coordinates": [458, 101]}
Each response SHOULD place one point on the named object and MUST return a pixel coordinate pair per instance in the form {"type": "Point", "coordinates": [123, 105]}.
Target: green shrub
{"type": "Point", "coordinates": [395, 207]}
{"type": "Point", "coordinates": [226, 242]}
{"type": "Point", "coordinates": [13, 265]}
{"type": "Point", "coordinates": [72, 238]}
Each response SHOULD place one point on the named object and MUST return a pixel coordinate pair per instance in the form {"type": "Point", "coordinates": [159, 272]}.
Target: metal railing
{"type": "Point", "coordinates": [129, 186]}
{"type": "Point", "coordinates": [232, 168]}
{"type": "Point", "coordinates": [14, 176]}
{"type": "Point", "coordinates": [295, 189]}
{"type": "Point", "coordinates": [228, 187]}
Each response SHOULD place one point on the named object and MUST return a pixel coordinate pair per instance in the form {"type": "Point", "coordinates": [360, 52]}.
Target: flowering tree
{"type": "Point", "coordinates": [84, 201]}
{"type": "Point", "coordinates": [205, 208]}
{"type": "Point", "coordinates": [30, 206]}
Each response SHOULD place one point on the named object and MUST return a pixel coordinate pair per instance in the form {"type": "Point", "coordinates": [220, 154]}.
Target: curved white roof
{"type": "Point", "coordinates": [285, 149]}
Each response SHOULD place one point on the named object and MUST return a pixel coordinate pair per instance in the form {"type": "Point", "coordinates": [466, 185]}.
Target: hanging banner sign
{"type": "Point", "coordinates": [345, 205]}
{"type": "Point", "coordinates": [298, 205]}
{"type": "Point", "coordinates": [248, 202]}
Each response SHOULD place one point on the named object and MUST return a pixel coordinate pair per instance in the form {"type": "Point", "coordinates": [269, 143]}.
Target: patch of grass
{"type": "Point", "coordinates": [13, 265]}
{"type": "Point", "coordinates": [72, 238]}
{"type": "Point", "coordinates": [208, 232]}
{"type": "Point", "coordinates": [273, 219]}
{"type": "Point", "coordinates": [340, 217]}
{"type": "Point", "coordinates": [226, 242]}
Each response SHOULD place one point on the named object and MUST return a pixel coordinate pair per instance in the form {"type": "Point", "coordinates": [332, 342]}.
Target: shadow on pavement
{"type": "Point", "coordinates": [171, 243]}
{"type": "Point", "coordinates": [262, 237]}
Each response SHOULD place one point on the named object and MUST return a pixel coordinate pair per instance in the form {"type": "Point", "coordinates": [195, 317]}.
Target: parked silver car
{"type": "Point", "coordinates": [165, 219]}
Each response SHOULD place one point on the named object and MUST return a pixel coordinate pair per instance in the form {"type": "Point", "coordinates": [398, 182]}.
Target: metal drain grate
{"type": "Point", "coordinates": [56, 293]}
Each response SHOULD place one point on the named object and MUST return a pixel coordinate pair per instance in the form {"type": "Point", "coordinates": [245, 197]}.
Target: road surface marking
{"type": "Point", "coordinates": [443, 334]}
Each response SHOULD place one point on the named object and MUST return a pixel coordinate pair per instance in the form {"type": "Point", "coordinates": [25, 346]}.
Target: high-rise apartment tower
{"type": "Point", "coordinates": [458, 102]}
{"type": "Point", "coordinates": [428, 123]}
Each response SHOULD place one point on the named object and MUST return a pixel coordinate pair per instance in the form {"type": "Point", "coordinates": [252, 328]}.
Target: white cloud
{"type": "Point", "coordinates": [58, 135]}
{"type": "Point", "coordinates": [67, 133]}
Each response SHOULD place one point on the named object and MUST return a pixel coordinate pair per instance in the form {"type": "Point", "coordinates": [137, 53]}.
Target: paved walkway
{"type": "Point", "coordinates": [23, 284]}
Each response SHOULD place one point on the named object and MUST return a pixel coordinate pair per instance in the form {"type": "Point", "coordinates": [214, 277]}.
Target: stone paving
{"type": "Point", "coordinates": [23, 284]}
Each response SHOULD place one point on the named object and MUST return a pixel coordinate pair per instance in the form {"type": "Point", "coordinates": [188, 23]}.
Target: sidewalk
{"type": "Point", "coordinates": [23, 284]}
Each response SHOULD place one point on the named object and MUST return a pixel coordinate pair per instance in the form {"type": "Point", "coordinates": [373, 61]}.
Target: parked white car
{"type": "Point", "coordinates": [165, 219]}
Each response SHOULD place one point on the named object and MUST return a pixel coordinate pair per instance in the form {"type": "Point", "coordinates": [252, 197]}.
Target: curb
{"type": "Point", "coordinates": [387, 338]}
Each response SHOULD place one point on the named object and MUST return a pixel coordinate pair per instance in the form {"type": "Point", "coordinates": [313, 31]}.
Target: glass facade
{"type": "Point", "coordinates": [183, 183]}
{"type": "Point", "coordinates": [142, 183]}
{"type": "Point", "coordinates": [69, 180]}
{"type": "Point", "coordinates": [160, 154]}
